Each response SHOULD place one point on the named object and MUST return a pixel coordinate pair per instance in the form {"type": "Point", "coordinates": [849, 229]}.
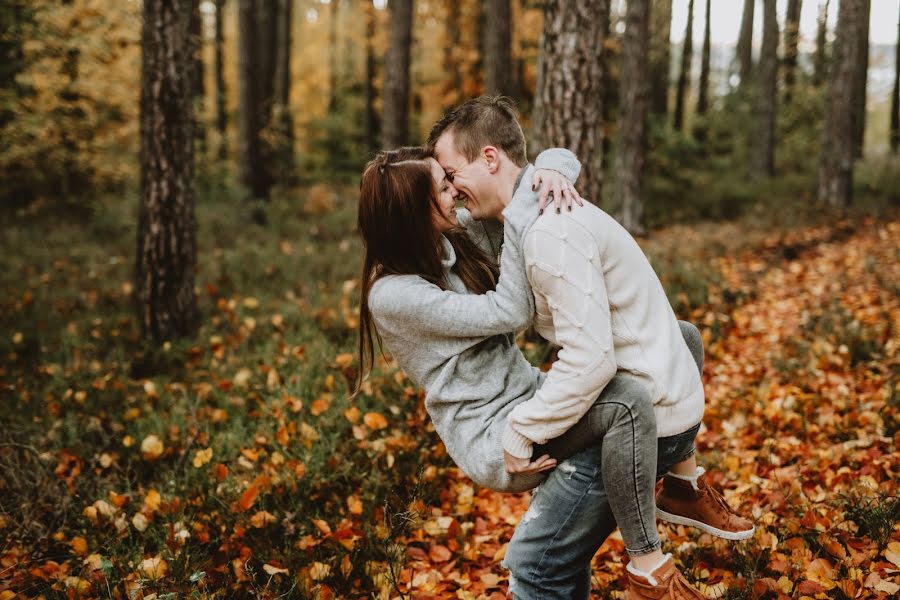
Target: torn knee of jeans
{"type": "Point", "coordinates": [568, 468]}
{"type": "Point", "coordinates": [533, 512]}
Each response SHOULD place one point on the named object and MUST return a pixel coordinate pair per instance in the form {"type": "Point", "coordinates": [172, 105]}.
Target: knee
{"type": "Point", "coordinates": [694, 342]}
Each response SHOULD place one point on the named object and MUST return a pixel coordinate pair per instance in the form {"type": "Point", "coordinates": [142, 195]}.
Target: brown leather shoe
{"type": "Point", "coordinates": [667, 584]}
{"type": "Point", "coordinates": [703, 508]}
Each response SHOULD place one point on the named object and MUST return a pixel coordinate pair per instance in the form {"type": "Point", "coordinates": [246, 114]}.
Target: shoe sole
{"type": "Point", "coordinates": [727, 535]}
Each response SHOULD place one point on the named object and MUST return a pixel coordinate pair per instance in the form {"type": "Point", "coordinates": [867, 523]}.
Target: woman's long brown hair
{"type": "Point", "coordinates": [396, 198]}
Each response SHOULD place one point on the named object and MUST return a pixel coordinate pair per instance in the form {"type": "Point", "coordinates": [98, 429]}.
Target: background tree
{"type": "Point", "coordinates": [333, 47]}
{"type": "Point", "coordinates": [791, 39]}
{"type": "Point", "coordinates": [684, 72]}
{"type": "Point", "coordinates": [660, 55]}
{"type": "Point", "coordinates": [862, 75]}
{"type": "Point", "coordinates": [744, 54]}
{"type": "Point", "coordinates": [632, 129]}
{"type": "Point", "coordinates": [396, 75]}
{"type": "Point", "coordinates": [497, 48]}
{"type": "Point", "coordinates": [221, 113]}
{"type": "Point", "coordinates": [703, 88]}
{"type": "Point", "coordinates": [835, 186]}
{"type": "Point", "coordinates": [371, 116]}
{"type": "Point", "coordinates": [895, 97]}
{"type": "Point", "coordinates": [762, 160]}
{"type": "Point", "coordinates": [250, 160]}
{"type": "Point", "coordinates": [284, 123]}
{"type": "Point", "coordinates": [820, 59]}
{"type": "Point", "coordinates": [199, 77]}
{"type": "Point", "coordinates": [567, 115]}
{"type": "Point", "coordinates": [166, 243]}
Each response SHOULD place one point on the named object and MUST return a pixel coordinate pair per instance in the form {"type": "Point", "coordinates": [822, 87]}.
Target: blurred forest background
{"type": "Point", "coordinates": [180, 272]}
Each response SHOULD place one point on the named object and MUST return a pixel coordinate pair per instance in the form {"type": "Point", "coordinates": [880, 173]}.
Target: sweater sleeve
{"type": "Point", "coordinates": [559, 159]}
{"type": "Point", "coordinates": [427, 311]}
{"type": "Point", "coordinates": [565, 269]}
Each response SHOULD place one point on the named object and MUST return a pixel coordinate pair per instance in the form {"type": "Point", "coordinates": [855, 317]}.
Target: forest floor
{"type": "Point", "coordinates": [234, 465]}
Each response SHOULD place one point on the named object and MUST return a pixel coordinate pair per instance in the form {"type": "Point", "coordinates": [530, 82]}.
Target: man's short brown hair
{"type": "Point", "coordinates": [480, 122]}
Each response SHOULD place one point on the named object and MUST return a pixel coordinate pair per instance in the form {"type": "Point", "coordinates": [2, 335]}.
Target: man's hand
{"type": "Point", "coordinates": [515, 464]}
{"type": "Point", "coordinates": [557, 187]}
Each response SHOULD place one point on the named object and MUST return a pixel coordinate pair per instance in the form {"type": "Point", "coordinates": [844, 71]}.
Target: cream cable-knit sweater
{"type": "Point", "coordinates": [598, 298]}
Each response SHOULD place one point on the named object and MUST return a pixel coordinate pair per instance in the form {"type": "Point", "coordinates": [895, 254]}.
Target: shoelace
{"type": "Point", "coordinates": [718, 498]}
{"type": "Point", "coordinates": [679, 587]}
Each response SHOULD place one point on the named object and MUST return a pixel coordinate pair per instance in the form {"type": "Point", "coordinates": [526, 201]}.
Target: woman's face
{"type": "Point", "coordinates": [445, 218]}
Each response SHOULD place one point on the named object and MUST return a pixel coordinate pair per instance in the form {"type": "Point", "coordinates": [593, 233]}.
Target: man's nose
{"type": "Point", "coordinates": [452, 189]}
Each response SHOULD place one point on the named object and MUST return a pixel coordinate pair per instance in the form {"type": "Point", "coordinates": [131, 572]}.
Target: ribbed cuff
{"type": "Point", "coordinates": [516, 444]}
{"type": "Point", "coordinates": [559, 159]}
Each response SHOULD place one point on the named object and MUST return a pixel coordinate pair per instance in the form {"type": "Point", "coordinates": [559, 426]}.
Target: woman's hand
{"type": "Point", "coordinates": [524, 466]}
{"type": "Point", "coordinates": [557, 187]}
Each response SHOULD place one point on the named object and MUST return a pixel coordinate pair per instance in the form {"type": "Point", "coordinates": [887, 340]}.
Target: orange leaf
{"type": "Point", "coordinates": [322, 526]}
{"type": "Point", "coordinates": [355, 505]}
{"type": "Point", "coordinates": [439, 553]}
{"type": "Point", "coordinates": [375, 420]}
{"type": "Point", "coordinates": [248, 498]}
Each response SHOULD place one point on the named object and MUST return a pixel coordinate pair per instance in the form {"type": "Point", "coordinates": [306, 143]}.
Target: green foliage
{"type": "Point", "coordinates": [876, 515]}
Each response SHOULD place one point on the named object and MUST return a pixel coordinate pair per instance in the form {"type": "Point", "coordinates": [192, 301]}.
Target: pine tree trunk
{"type": "Point", "coordinates": [283, 120]}
{"type": "Point", "coordinates": [250, 162]}
{"type": "Point", "coordinates": [453, 90]}
{"type": "Point", "coordinates": [166, 242]}
{"type": "Point", "coordinates": [862, 74]}
{"type": "Point", "coordinates": [895, 97]}
{"type": "Point", "coordinates": [267, 43]}
{"type": "Point", "coordinates": [745, 44]}
{"type": "Point", "coordinates": [660, 55]}
{"type": "Point", "coordinates": [610, 80]}
{"type": "Point", "coordinates": [835, 185]}
{"type": "Point", "coordinates": [221, 114]}
{"type": "Point", "coordinates": [684, 73]}
{"type": "Point", "coordinates": [763, 139]}
{"type": "Point", "coordinates": [371, 134]}
{"type": "Point", "coordinates": [566, 115]}
{"type": "Point", "coordinates": [633, 127]}
{"type": "Point", "coordinates": [199, 92]}
{"type": "Point", "coordinates": [333, 69]}
{"type": "Point", "coordinates": [791, 38]}
{"type": "Point", "coordinates": [396, 75]}
{"type": "Point", "coordinates": [703, 92]}
{"type": "Point", "coordinates": [820, 60]}
{"type": "Point", "coordinates": [497, 47]}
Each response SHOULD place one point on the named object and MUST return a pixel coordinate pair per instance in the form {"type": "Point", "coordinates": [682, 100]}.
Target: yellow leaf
{"type": "Point", "coordinates": [261, 519]}
{"type": "Point", "coordinates": [887, 587]}
{"type": "Point", "coordinates": [202, 457]}
{"type": "Point", "coordinates": [352, 415]}
{"type": "Point", "coordinates": [322, 526]}
{"type": "Point", "coordinates": [375, 420]}
{"type": "Point", "coordinates": [893, 553]}
{"type": "Point", "coordinates": [343, 360]}
{"type": "Point", "coordinates": [319, 571]}
{"type": "Point", "coordinates": [140, 522]}
{"type": "Point", "coordinates": [355, 505]}
{"type": "Point", "coordinates": [273, 570]}
{"type": "Point", "coordinates": [79, 545]}
{"type": "Point", "coordinates": [346, 566]}
{"type": "Point", "coordinates": [94, 561]}
{"type": "Point", "coordinates": [152, 500]}
{"type": "Point", "coordinates": [154, 568]}
{"type": "Point", "coordinates": [152, 447]}
{"type": "Point", "coordinates": [273, 381]}
{"type": "Point", "coordinates": [320, 404]}
{"type": "Point", "coordinates": [308, 433]}
{"type": "Point", "coordinates": [251, 303]}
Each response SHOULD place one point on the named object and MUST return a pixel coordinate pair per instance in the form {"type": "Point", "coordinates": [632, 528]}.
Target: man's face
{"type": "Point", "coordinates": [471, 179]}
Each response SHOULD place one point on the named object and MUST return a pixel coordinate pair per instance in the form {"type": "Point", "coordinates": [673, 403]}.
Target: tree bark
{"type": "Point", "coordinates": [284, 123]}
{"type": "Point", "coordinates": [791, 39]}
{"type": "Point", "coordinates": [763, 138]}
{"type": "Point", "coordinates": [862, 74]}
{"type": "Point", "coordinates": [571, 116]}
{"type": "Point", "coordinates": [895, 97]}
{"type": "Point", "coordinates": [835, 186]}
{"type": "Point", "coordinates": [633, 127]}
{"type": "Point", "coordinates": [820, 60]}
{"type": "Point", "coordinates": [221, 114]}
{"type": "Point", "coordinates": [199, 92]}
{"type": "Point", "coordinates": [745, 43]}
{"type": "Point", "coordinates": [371, 134]}
{"type": "Point", "coordinates": [267, 44]}
{"type": "Point", "coordinates": [166, 241]}
{"type": "Point", "coordinates": [497, 47]}
{"type": "Point", "coordinates": [660, 55]}
{"type": "Point", "coordinates": [250, 163]}
{"type": "Point", "coordinates": [684, 73]}
{"type": "Point", "coordinates": [396, 75]}
{"type": "Point", "coordinates": [703, 92]}
{"type": "Point", "coordinates": [333, 69]}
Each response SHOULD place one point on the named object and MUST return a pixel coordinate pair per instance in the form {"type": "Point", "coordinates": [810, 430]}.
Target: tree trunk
{"type": "Point", "coordinates": [745, 43]}
{"type": "Point", "coordinates": [660, 53]}
{"type": "Point", "coordinates": [703, 92]}
{"type": "Point", "coordinates": [836, 167]}
{"type": "Point", "coordinates": [250, 163]}
{"type": "Point", "coordinates": [763, 138]}
{"type": "Point", "coordinates": [497, 47]}
{"type": "Point", "coordinates": [284, 123]}
{"type": "Point", "coordinates": [820, 60]}
{"type": "Point", "coordinates": [333, 69]}
{"type": "Point", "coordinates": [862, 74]}
{"type": "Point", "coordinates": [895, 97]}
{"type": "Point", "coordinates": [610, 79]}
{"type": "Point", "coordinates": [267, 44]}
{"type": "Point", "coordinates": [684, 74]}
{"type": "Point", "coordinates": [396, 75]}
{"type": "Point", "coordinates": [166, 242]}
{"type": "Point", "coordinates": [571, 116]}
{"type": "Point", "coordinates": [632, 129]}
{"type": "Point", "coordinates": [453, 91]}
{"type": "Point", "coordinates": [371, 134]}
{"type": "Point", "coordinates": [791, 38]}
{"type": "Point", "coordinates": [221, 115]}
{"type": "Point", "coordinates": [199, 92]}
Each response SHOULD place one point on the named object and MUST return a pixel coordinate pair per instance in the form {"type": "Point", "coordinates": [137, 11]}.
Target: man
{"type": "Point", "coordinates": [597, 297]}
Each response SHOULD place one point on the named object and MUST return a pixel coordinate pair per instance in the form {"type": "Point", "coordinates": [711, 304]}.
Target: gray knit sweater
{"type": "Point", "coordinates": [460, 347]}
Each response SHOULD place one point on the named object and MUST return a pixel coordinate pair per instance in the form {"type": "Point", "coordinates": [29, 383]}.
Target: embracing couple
{"type": "Point", "coordinates": [446, 289]}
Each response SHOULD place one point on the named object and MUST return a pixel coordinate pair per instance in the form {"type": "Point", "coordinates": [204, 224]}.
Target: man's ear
{"type": "Point", "coordinates": [491, 156]}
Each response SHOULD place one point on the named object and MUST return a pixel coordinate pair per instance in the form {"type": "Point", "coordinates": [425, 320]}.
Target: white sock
{"type": "Point", "coordinates": [692, 478]}
{"type": "Point", "coordinates": [648, 576]}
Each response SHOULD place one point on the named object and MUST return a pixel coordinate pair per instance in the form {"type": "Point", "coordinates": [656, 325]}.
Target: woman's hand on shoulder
{"type": "Point", "coordinates": [525, 466]}
{"type": "Point", "coordinates": [556, 188]}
